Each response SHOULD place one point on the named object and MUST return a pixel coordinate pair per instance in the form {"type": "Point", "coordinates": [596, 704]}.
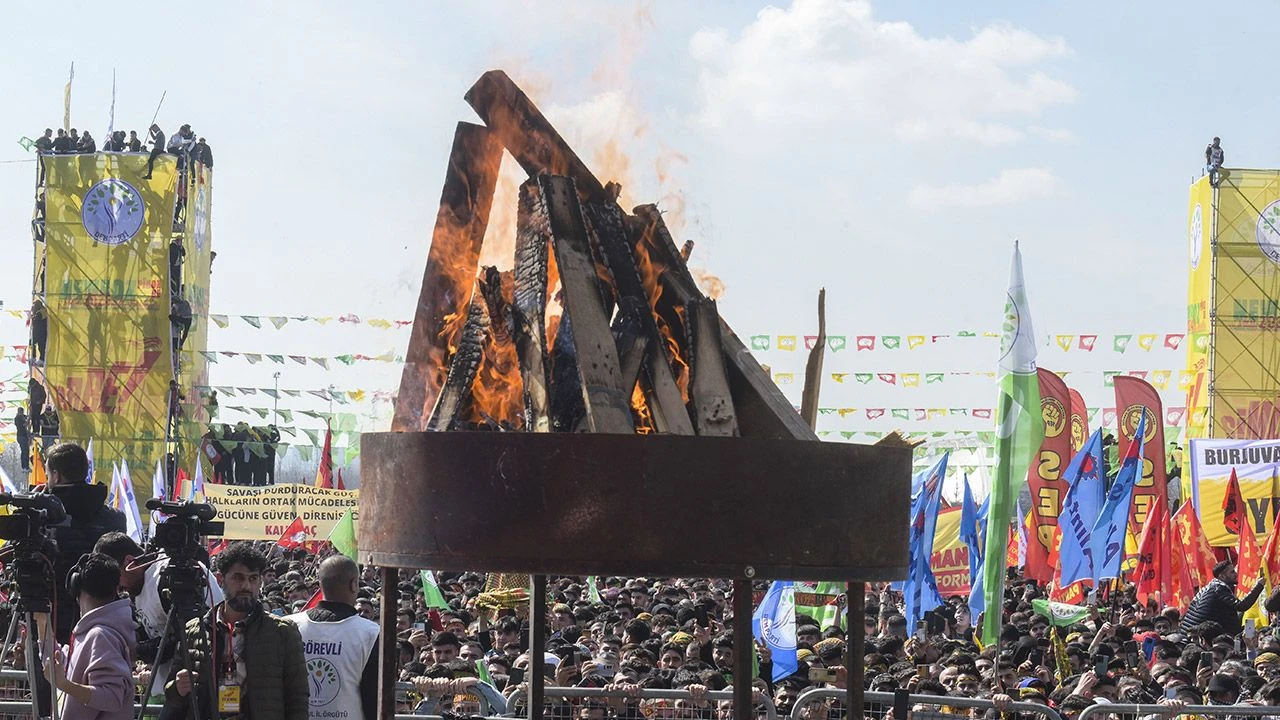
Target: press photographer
{"type": "Point", "coordinates": [171, 578]}
{"type": "Point", "coordinates": [88, 519]}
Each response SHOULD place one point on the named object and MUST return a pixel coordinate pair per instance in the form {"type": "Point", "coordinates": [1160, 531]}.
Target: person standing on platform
{"type": "Point", "coordinates": [23, 429]}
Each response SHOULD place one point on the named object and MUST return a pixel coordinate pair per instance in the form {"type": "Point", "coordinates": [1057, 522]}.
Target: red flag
{"type": "Point", "coordinates": [1271, 555]}
{"type": "Point", "coordinates": [1153, 578]}
{"type": "Point", "coordinates": [316, 597]}
{"type": "Point", "coordinates": [294, 535]}
{"type": "Point", "coordinates": [341, 485]}
{"type": "Point", "coordinates": [1233, 507]}
{"type": "Point", "coordinates": [180, 486]}
{"type": "Point", "coordinates": [1079, 422]}
{"type": "Point", "coordinates": [215, 548]}
{"type": "Point", "coordinates": [1044, 477]}
{"type": "Point", "coordinates": [1248, 559]}
{"type": "Point", "coordinates": [324, 475]}
{"type": "Point", "coordinates": [1134, 399]}
{"type": "Point", "coordinates": [1193, 545]}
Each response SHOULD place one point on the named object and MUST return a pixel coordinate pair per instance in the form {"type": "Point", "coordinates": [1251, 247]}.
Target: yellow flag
{"type": "Point", "coordinates": [38, 476]}
{"type": "Point", "coordinates": [1130, 551]}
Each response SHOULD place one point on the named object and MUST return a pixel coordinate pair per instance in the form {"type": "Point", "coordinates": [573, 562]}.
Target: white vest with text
{"type": "Point", "coordinates": [336, 654]}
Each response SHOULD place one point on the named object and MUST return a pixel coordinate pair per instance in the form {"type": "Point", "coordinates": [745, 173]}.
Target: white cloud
{"type": "Point", "coordinates": [1010, 186]}
{"type": "Point", "coordinates": [823, 61]}
{"type": "Point", "coordinates": [1059, 135]}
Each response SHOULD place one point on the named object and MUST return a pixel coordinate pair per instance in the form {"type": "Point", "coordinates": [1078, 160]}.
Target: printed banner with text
{"type": "Point", "coordinates": [263, 513]}
{"type": "Point", "coordinates": [1255, 463]}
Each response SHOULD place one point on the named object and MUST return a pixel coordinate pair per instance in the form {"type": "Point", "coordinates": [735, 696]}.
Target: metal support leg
{"type": "Point", "coordinates": [742, 649]}
{"type": "Point", "coordinates": [537, 645]}
{"type": "Point", "coordinates": [389, 649]}
{"type": "Point", "coordinates": [855, 648]}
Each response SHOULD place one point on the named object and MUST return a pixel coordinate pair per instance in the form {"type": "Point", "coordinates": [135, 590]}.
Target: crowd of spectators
{"type": "Point", "coordinates": [632, 634]}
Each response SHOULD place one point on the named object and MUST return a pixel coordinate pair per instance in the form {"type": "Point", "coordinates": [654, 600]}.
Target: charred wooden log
{"type": "Point", "coordinates": [608, 226]}
{"type": "Point", "coordinates": [709, 387]}
{"type": "Point", "coordinates": [608, 407]}
{"type": "Point", "coordinates": [631, 339]}
{"type": "Point", "coordinates": [565, 405]}
{"type": "Point", "coordinates": [450, 272]}
{"type": "Point", "coordinates": [761, 408]}
{"type": "Point", "coordinates": [462, 367]}
{"type": "Point", "coordinates": [528, 311]}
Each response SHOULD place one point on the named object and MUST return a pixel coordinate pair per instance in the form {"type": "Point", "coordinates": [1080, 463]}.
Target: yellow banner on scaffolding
{"type": "Point", "coordinates": [1199, 231]}
{"type": "Point", "coordinates": [105, 270]}
{"type": "Point", "coordinates": [1245, 339]}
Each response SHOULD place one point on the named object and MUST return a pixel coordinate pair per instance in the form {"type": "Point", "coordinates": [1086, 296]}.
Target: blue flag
{"type": "Point", "coordinates": [920, 591]}
{"type": "Point", "coordinates": [1085, 494]}
{"type": "Point", "coordinates": [977, 601]}
{"type": "Point", "coordinates": [969, 533]}
{"type": "Point", "coordinates": [774, 623]}
{"type": "Point", "coordinates": [1107, 543]}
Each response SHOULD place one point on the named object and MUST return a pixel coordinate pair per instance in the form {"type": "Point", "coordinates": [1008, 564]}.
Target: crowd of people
{"type": "Point", "coordinates": [184, 144]}
{"type": "Point", "coordinates": [243, 454]}
{"type": "Point", "coordinates": [292, 631]}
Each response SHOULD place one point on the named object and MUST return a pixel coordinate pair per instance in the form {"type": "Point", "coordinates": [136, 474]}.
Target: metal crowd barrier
{"type": "Point", "coordinates": [1208, 711]}
{"type": "Point", "coordinates": [876, 704]}
{"type": "Point", "coordinates": [23, 710]}
{"type": "Point", "coordinates": [771, 710]}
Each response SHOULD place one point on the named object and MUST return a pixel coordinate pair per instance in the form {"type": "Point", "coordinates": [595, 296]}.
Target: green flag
{"type": "Point", "coordinates": [1060, 614]}
{"type": "Point", "coordinates": [593, 588]}
{"type": "Point", "coordinates": [482, 670]}
{"type": "Point", "coordinates": [343, 535]}
{"type": "Point", "coordinates": [431, 595]}
{"type": "Point", "coordinates": [1019, 432]}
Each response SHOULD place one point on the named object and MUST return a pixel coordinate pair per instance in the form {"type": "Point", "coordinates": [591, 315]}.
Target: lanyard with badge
{"type": "Point", "coordinates": [228, 687]}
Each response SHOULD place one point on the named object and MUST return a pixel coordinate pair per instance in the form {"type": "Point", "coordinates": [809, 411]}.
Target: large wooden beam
{"type": "Point", "coordinates": [528, 312]}
{"type": "Point", "coordinates": [450, 274]}
{"type": "Point", "coordinates": [712, 400]}
{"type": "Point", "coordinates": [528, 135]}
{"type": "Point", "coordinates": [608, 403]}
{"type": "Point", "coordinates": [762, 410]}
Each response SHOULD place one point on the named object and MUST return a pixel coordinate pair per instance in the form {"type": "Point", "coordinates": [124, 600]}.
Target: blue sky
{"type": "Point", "coordinates": [890, 152]}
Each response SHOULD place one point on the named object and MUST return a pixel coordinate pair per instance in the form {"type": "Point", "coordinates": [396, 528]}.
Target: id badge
{"type": "Point", "coordinates": [228, 698]}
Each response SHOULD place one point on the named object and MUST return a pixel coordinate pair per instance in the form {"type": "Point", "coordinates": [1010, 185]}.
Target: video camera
{"type": "Point", "coordinates": [180, 535]}
{"type": "Point", "coordinates": [183, 583]}
{"type": "Point", "coordinates": [27, 528]}
{"type": "Point", "coordinates": [33, 512]}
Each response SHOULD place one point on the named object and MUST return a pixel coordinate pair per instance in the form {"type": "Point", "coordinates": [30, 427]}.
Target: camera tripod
{"type": "Point", "coordinates": [185, 604]}
{"type": "Point", "coordinates": [32, 657]}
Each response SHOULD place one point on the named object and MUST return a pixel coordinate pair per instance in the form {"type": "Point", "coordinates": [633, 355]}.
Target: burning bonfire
{"type": "Point", "coordinates": [636, 346]}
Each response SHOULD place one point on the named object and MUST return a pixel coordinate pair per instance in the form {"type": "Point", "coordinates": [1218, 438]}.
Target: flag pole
{"type": "Point", "coordinates": [157, 112]}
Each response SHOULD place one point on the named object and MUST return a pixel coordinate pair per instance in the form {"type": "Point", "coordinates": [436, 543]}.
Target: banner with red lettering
{"type": "Point", "coordinates": [1134, 398]}
{"type": "Point", "coordinates": [1079, 422]}
{"type": "Point", "coordinates": [950, 561]}
{"type": "Point", "coordinates": [1045, 476]}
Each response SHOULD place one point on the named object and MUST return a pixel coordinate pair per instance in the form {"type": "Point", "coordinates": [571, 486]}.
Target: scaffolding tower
{"type": "Point", "coordinates": [1233, 308]}
{"type": "Point", "coordinates": [120, 304]}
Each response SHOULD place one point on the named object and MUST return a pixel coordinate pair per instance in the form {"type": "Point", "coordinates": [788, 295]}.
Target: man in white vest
{"type": "Point", "coordinates": [341, 647]}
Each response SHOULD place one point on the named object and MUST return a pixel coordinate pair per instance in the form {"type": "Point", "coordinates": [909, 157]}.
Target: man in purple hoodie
{"type": "Point", "coordinates": [97, 680]}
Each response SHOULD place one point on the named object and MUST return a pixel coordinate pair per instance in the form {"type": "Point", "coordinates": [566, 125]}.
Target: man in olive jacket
{"type": "Point", "coordinates": [256, 664]}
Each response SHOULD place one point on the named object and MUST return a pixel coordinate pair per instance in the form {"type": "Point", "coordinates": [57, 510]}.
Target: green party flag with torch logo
{"type": "Point", "coordinates": [1060, 614]}
{"type": "Point", "coordinates": [1019, 432]}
